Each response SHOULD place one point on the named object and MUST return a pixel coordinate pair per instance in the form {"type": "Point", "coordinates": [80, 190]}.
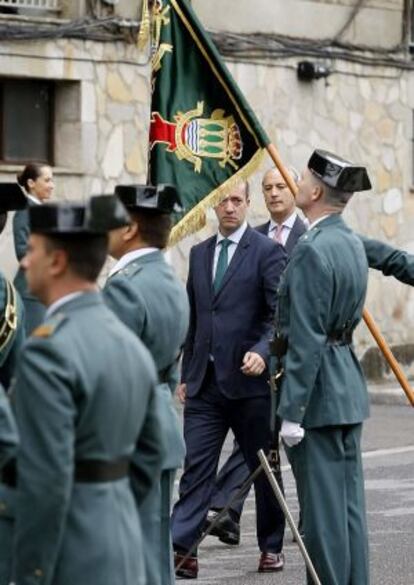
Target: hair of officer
{"type": "Point", "coordinates": [86, 254]}
{"type": "Point", "coordinates": [333, 197]}
{"type": "Point", "coordinates": [3, 220]}
{"type": "Point", "coordinates": [31, 171]}
{"type": "Point", "coordinates": [154, 228]}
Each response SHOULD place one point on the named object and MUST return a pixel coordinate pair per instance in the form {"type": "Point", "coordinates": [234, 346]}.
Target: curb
{"type": "Point", "coordinates": [382, 394]}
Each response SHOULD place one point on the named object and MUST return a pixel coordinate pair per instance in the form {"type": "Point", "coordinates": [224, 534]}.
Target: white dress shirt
{"type": "Point", "coordinates": [287, 227]}
{"type": "Point", "coordinates": [34, 199]}
{"type": "Point", "coordinates": [313, 224]}
{"type": "Point", "coordinates": [62, 301]}
{"type": "Point", "coordinates": [235, 238]}
{"type": "Point", "coordinates": [129, 257]}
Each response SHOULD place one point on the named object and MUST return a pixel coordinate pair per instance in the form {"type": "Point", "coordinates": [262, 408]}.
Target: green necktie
{"type": "Point", "coordinates": [222, 263]}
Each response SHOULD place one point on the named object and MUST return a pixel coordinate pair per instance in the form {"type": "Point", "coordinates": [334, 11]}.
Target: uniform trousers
{"type": "Point", "coordinates": [330, 483]}
{"type": "Point", "coordinates": [207, 420]}
{"type": "Point", "coordinates": [155, 513]}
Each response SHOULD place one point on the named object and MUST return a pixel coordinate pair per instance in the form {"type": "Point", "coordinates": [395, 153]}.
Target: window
{"type": "Point", "coordinates": [26, 120]}
{"type": "Point", "coordinates": [13, 6]}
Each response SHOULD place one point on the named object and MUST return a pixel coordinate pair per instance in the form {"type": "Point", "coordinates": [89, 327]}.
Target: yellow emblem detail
{"type": "Point", "coordinates": [216, 137]}
{"type": "Point", "coordinates": [193, 137]}
{"type": "Point", "coordinates": [43, 331]}
{"type": "Point", "coordinates": [160, 19]}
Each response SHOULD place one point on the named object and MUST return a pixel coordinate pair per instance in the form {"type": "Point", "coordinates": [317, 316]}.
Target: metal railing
{"type": "Point", "coordinates": [33, 4]}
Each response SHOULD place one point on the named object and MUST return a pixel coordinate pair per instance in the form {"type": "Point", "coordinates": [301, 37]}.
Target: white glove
{"type": "Point", "coordinates": [291, 432]}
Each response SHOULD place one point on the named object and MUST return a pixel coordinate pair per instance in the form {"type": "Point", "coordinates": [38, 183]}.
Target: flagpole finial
{"type": "Point", "coordinates": [144, 29]}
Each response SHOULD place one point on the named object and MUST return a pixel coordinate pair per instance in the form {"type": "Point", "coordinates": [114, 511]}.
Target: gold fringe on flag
{"type": "Point", "coordinates": [195, 219]}
{"type": "Point", "coordinates": [144, 29]}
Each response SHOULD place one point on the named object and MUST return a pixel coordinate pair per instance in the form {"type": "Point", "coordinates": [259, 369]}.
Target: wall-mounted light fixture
{"type": "Point", "coordinates": [308, 71]}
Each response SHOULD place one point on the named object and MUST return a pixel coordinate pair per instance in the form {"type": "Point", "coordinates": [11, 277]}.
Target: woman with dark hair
{"type": "Point", "coordinates": [37, 181]}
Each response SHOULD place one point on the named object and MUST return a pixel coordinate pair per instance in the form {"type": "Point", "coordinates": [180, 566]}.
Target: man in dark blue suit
{"type": "Point", "coordinates": [232, 284]}
{"type": "Point", "coordinates": [285, 227]}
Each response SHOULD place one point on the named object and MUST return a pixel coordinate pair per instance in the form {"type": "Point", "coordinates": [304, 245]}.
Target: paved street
{"type": "Point", "coordinates": [388, 446]}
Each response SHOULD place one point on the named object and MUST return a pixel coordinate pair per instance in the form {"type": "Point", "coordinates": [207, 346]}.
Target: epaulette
{"type": "Point", "coordinates": [47, 329]}
{"type": "Point", "coordinates": [310, 235]}
{"type": "Point", "coordinates": [131, 269]}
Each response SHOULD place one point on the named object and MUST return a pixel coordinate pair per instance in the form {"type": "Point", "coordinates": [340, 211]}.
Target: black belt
{"type": "Point", "coordinates": [86, 471]}
{"type": "Point", "coordinates": [9, 474]}
{"type": "Point", "coordinates": [340, 337]}
{"type": "Point", "coordinates": [164, 375]}
{"type": "Point", "coordinates": [95, 471]}
{"type": "Point", "coordinates": [278, 346]}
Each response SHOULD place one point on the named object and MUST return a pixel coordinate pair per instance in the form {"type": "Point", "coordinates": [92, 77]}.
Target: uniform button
{"type": "Point", "coordinates": [38, 573]}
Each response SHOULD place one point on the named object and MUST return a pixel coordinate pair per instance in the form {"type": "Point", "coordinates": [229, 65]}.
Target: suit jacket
{"type": "Point", "coordinates": [235, 320]}
{"type": "Point", "coordinates": [389, 260]}
{"type": "Point", "coordinates": [321, 294]}
{"type": "Point", "coordinates": [148, 297]}
{"type": "Point", "coordinates": [297, 230]}
{"type": "Point", "coordinates": [84, 390]}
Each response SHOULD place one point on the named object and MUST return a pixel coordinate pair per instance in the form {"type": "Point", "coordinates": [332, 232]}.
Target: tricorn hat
{"type": "Point", "coordinates": [338, 173]}
{"type": "Point", "coordinates": [12, 197]}
{"type": "Point", "coordinates": [149, 198]}
{"type": "Point", "coordinates": [96, 217]}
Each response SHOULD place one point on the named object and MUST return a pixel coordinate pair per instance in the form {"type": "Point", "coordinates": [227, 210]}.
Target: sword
{"type": "Point", "coordinates": [239, 494]}
{"type": "Point", "coordinates": [282, 503]}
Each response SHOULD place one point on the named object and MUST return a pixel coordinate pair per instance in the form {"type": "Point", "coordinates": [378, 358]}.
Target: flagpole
{"type": "Point", "coordinates": [369, 320]}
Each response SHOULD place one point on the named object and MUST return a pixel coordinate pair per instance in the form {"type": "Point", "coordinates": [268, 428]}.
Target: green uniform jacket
{"type": "Point", "coordinates": [148, 297]}
{"type": "Point", "coordinates": [389, 260]}
{"type": "Point", "coordinates": [8, 430]}
{"type": "Point", "coordinates": [322, 292]}
{"type": "Point", "coordinates": [34, 309]}
{"type": "Point", "coordinates": [84, 390]}
{"type": "Point", "coordinates": [10, 351]}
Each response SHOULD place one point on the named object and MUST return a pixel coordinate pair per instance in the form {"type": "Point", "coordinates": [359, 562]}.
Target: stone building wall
{"type": "Point", "coordinates": [377, 22]}
{"type": "Point", "coordinates": [101, 115]}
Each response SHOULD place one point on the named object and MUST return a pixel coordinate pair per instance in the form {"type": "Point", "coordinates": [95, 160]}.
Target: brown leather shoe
{"type": "Point", "coordinates": [271, 562]}
{"type": "Point", "coordinates": [188, 570]}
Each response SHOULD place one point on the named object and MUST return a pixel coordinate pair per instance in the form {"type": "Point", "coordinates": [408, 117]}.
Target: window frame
{"type": "Point", "coordinates": [50, 134]}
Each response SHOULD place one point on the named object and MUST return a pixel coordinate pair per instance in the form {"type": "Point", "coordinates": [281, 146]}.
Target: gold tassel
{"type": "Point", "coordinates": [195, 219]}
{"type": "Point", "coordinates": [144, 29]}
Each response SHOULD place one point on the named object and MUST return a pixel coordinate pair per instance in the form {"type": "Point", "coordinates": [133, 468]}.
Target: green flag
{"type": "Point", "coordinates": [204, 137]}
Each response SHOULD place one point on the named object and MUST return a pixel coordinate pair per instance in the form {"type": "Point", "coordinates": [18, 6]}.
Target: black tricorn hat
{"type": "Point", "coordinates": [105, 213]}
{"type": "Point", "coordinates": [152, 199]}
{"type": "Point", "coordinates": [338, 173]}
{"type": "Point", "coordinates": [12, 197]}
{"type": "Point", "coordinates": [96, 217]}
